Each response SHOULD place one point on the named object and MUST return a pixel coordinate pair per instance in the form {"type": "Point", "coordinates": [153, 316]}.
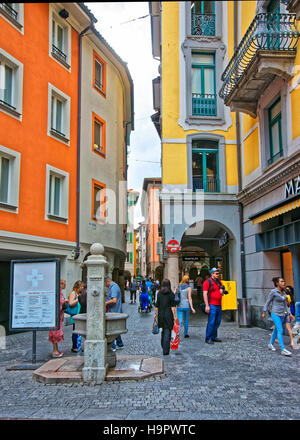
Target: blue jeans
{"type": "Point", "coordinates": [119, 342]}
{"type": "Point", "coordinates": [213, 323]}
{"type": "Point", "coordinates": [297, 311]}
{"type": "Point", "coordinates": [182, 311]}
{"type": "Point", "coordinates": [278, 330]}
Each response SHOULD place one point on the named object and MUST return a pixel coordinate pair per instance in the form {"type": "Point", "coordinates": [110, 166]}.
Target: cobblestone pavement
{"type": "Point", "coordinates": [238, 379]}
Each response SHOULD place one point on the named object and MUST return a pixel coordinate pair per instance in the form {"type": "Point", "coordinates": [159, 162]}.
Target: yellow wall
{"type": "Point", "coordinates": [231, 165]}
{"type": "Point", "coordinates": [251, 152]}
{"type": "Point", "coordinates": [174, 158]}
{"type": "Point", "coordinates": [295, 98]}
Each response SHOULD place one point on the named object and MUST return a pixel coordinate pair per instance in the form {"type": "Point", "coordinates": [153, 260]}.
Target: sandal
{"type": "Point", "coordinates": [58, 355]}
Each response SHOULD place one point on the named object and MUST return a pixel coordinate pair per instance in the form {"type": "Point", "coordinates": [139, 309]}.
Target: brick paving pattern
{"type": "Point", "coordinates": [238, 379]}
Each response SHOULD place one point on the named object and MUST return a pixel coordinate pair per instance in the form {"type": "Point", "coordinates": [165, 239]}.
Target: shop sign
{"type": "Point", "coordinates": [191, 258]}
{"type": "Point", "coordinates": [292, 187]}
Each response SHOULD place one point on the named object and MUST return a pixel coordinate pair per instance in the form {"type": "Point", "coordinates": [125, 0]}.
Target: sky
{"type": "Point", "coordinates": [132, 42]}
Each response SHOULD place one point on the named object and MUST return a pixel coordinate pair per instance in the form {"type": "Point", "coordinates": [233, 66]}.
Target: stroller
{"type": "Point", "coordinates": [144, 303]}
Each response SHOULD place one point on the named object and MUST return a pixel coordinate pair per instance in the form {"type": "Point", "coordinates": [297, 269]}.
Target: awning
{"type": "Point", "coordinates": [275, 210]}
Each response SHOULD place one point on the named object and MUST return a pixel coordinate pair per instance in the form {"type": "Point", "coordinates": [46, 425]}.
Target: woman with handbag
{"type": "Point", "coordinates": [73, 302]}
{"type": "Point", "coordinates": [56, 336]}
{"type": "Point", "coordinates": [165, 312]}
{"type": "Point", "coordinates": [185, 304]}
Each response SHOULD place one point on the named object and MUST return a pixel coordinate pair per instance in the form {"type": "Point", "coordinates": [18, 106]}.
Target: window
{"type": "Point", "coordinates": [13, 13]}
{"type": "Point", "coordinates": [205, 166]}
{"type": "Point", "coordinates": [99, 74]}
{"type": "Point", "coordinates": [57, 194]}
{"type": "Point", "coordinates": [59, 38]}
{"type": "Point", "coordinates": [203, 18]}
{"type": "Point", "coordinates": [11, 84]}
{"type": "Point", "coordinates": [59, 114]}
{"type": "Point", "coordinates": [204, 99]}
{"type": "Point", "coordinates": [275, 132]}
{"type": "Point", "coordinates": [9, 178]}
{"type": "Point", "coordinates": [99, 135]}
{"type": "Point", "coordinates": [98, 201]}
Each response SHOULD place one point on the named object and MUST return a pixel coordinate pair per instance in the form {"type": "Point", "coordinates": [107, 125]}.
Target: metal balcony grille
{"type": "Point", "coordinates": [12, 12]}
{"type": "Point", "coordinates": [58, 132]}
{"type": "Point", "coordinates": [98, 84]}
{"type": "Point", "coordinates": [204, 104]}
{"type": "Point", "coordinates": [8, 105]}
{"type": "Point", "coordinates": [267, 32]}
{"type": "Point", "coordinates": [210, 184]}
{"type": "Point", "coordinates": [204, 24]}
{"type": "Point", "coordinates": [59, 53]}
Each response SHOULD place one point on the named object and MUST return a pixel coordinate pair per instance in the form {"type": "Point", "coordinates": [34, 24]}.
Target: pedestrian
{"type": "Point", "coordinates": [185, 305]}
{"type": "Point", "coordinates": [82, 299]}
{"type": "Point", "coordinates": [165, 312]}
{"type": "Point", "coordinates": [56, 336]}
{"type": "Point", "coordinates": [277, 299]}
{"type": "Point", "coordinates": [199, 281]}
{"type": "Point", "coordinates": [144, 297]}
{"type": "Point", "coordinates": [133, 289]}
{"type": "Point", "coordinates": [213, 291]}
{"type": "Point", "coordinates": [73, 300]}
{"type": "Point", "coordinates": [150, 287]}
{"type": "Point", "coordinates": [290, 291]}
{"type": "Point", "coordinates": [114, 304]}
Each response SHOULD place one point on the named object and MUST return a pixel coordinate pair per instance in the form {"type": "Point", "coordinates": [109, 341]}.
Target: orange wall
{"type": "Point", "coordinates": [29, 137]}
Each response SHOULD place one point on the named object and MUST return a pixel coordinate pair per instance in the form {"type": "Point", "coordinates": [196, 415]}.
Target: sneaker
{"type": "Point", "coordinates": [186, 336]}
{"type": "Point", "coordinates": [217, 340]}
{"type": "Point", "coordinates": [285, 352]}
{"type": "Point", "coordinates": [113, 348]}
{"type": "Point", "coordinates": [271, 347]}
{"type": "Point", "coordinates": [119, 347]}
{"type": "Point", "coordinates": [209, 342]}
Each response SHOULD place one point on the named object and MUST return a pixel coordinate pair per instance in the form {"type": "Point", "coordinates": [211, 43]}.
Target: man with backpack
{"type": "Point", "coordinates": [213, 290]}
{"type": "Point", "coordinates": [133, 288]}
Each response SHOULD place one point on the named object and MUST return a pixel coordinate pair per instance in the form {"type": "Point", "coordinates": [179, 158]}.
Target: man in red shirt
{"type": "Point", "coordinates": [212, 294]}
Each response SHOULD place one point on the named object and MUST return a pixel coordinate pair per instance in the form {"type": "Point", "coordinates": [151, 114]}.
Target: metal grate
{"type": "Point", "coordinates": [204, 24]}
{"type": "Point", "coordinates": [204, 104]}
{"type": "Point", "coordinates": [210, 185]}
{"type": "Point", "coordinates": [59, 53]}
{"type": "Point", "coordinates": [12, 12]}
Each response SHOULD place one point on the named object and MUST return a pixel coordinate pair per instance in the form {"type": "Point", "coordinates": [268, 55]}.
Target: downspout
{"type": "Point", "coordinates": [239, 159]}
{"type": "Point", "coordinates": [77, 249]}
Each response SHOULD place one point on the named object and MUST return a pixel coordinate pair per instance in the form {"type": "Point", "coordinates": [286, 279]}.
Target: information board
{"type": "Point", "coordinates": [34, 294]}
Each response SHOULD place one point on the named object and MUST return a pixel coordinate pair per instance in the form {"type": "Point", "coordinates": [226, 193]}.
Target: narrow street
{"type": "Point", "coordinates": [238, 379]}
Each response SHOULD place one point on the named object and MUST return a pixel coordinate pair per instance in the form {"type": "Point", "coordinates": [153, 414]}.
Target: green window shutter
{"type": "Point", "coordinates": [130, 257]}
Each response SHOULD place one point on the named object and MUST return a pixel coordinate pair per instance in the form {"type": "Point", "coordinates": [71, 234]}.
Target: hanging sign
{"type": "Point", "coordinates": [173, 246]}
{"type": "Point", "coordinates": [34, 294]}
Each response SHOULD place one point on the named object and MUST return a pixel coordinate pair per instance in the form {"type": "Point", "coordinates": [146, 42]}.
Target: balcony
{"type": "Point", "coordinates": [268, 49]}
{"type": "Point", "coordinates": [210, 184]}
{"type": "Point", "coordinates": [204, 24]}
{"type": "Point", "coordinates": [204, 104]}
{"type": "Point", "coordinates": [293, 6]}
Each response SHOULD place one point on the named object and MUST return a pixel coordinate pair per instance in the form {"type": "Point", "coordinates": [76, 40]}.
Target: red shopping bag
{"type": "Point", "coordinates": [174, 337]}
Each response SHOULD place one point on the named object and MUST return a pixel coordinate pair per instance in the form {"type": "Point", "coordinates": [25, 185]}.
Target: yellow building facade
{"type": "Point", "coordinates": [226, 112]}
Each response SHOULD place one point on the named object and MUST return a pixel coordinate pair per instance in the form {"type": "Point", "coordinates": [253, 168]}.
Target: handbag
{"type": "Point", "coordinates": [71, 310]}
{"type": "Point", "coordinates": [155, 329]}
{"type": "Point", "coordinates": [177, 296]}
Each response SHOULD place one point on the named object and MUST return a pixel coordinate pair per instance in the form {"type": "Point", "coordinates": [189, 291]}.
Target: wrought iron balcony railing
{"type": "Point", "coordinates": [12, 12]}
{"type": "Point", "coordinates": [204, 105]}
{"type": "Point", "coordinates": [59, 53]}
{"type": "Point", "coordinates": [267, 32]}
{"type": "Point", "coordinates": [211, 184]}
{"type": "Point", "coordinates": [204, 24]}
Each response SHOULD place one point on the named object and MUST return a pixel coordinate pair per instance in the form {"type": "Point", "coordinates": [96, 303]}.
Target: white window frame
{"type": "Point", "coordinates": [64, 194]}
{"type": "Point", "coordinates": [16, 23]}
{"type": "Point", "coordinates": [54, 16]}
{"type": "Point", "coordinates": [66, 100]}
{"type": "Point", "coordinates": [14, 158]}
{"type": "Point", "coordinates": [17, 81]}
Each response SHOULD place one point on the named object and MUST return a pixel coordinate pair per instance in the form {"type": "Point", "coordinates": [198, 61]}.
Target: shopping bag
{"type": "Point", "coordinates": [174, 336]}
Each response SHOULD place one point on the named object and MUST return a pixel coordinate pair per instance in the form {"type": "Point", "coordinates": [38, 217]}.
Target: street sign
{"type": "Point", "coordinates": [173, 246]}
{"type": "Point", "coordinates": [34, 294]}
{"type": "Point", "coordinates": [191, 258]}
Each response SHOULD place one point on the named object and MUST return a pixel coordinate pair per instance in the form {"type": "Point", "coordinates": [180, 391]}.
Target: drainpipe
{"type": "Point", "coordinates": [238, 142]}
{"type": "Point", "coordinates": [77, 249]}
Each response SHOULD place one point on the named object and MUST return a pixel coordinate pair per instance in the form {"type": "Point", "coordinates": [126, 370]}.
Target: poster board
{"type": "Point", "coordinates": [34, 294]}
{"type": "Point", "coordinates": [229, 302]}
